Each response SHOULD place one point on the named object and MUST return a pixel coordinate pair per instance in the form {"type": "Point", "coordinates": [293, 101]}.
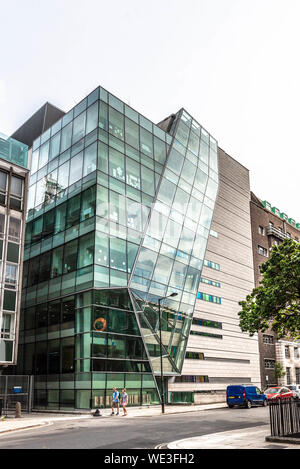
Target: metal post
{"type": "Point", "coordinates": [161, 361]}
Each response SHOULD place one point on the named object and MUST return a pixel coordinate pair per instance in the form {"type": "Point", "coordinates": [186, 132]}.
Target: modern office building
{"type": "Point", "coordinates": [119, 214]}
{"type": "Point", "coordinates": [271, 227]}
{"type": "Point", "coordinates": [218, 353]}
{"type": "Point", "coordinates": [13, 190]}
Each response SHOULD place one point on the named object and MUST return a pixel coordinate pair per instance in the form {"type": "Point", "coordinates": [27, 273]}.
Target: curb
{"type": "Point", "coordinates": [24, 428]}
{"type": "Point", "coordinates": [283, 439]}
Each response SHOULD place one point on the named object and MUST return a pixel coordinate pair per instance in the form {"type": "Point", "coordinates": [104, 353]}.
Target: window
{"type": "Point", "coordinates": [7, 326]}
{"type": "Point", "coordinates": [297, 375]}
{"type": "Point", "coordinates": [269, 364]}
{"type": "Point", "coordinates": [194, 356]}
{"type": "Point", "coordinates": [116, 123]}
{"type": "Point", "coordinates": [214, 233]}
{"type": "Point", "coordinates": [11, 273]}
{"type": "Point", "coordinates": [73, 211]}
{"type": "Point", "coordinates": [88, 204]}
{"type": "Point", "coordinates": [262, 251]}
{"type": "Point", "coordinates": [12, 253]}
{"type": "Point", "coordinates": [79, 127]}
{"type": "Point", "coordinates": [210, 282]}
{"type": "Point", "coordinates": [2, 225]}
{"type": "Point", "coordinates": [86, 251]}
{"type": "Point", "coordinates": [288, 375]}
{"type": "Point", "coordinates": [296, 353]}
{"type": "Point", "coordinates": [261, 230]}
{"type": "Point", "coordinates": [207, 323]}
{"type": "Point", "coordinates": [210, 298]}
{"type": "Point", "coordinates": [90, 159]}
{"type": "Point", "coordinates": [268, 339]}
{"type": "Point", "coordinates": [191, 379]}
{"type": "Point", "coordinates": [57, 257]}
{"type": "Point", "coordinates": [206, 334]}
{"type": "Point", "coordinates": [14, 231]}
{"type": "Point", "coordinates": [70, 257]}
{"type": "Point", "coordinates": [211, 265]}
{"type": "Point", "coordinates": [287, 351]}
{"type": "Point", "coordinates": [76, 168]}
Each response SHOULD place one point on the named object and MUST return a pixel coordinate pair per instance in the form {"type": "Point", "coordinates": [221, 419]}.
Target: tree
{"type": "Point", "coordinates": [276, 302]}
{"type": "Point", "coordinates": [279, 370]}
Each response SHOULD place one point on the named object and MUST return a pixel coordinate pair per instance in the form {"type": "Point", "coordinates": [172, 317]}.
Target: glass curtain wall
{"type": "Point", "coordinates": [111, 227]}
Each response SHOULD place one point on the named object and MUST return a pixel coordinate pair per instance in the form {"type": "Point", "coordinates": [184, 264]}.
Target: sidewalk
{"type": "Point", "coordinates": [37, 419]}
{"type": "Point", "coordinates": [247, 438]}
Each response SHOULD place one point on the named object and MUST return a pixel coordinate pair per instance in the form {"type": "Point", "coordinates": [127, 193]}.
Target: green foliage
{"type": "Point", "coordinates": [279, 370]}
{"type": "Point", "coordinates": [276, 302]}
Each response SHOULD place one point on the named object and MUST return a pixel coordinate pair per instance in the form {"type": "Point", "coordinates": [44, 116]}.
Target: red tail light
{"type": "Point", "coordinates": [244, 395]}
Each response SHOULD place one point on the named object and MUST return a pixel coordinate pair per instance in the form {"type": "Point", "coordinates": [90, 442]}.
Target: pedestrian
{"type": "Point", "coordinates": [115, 401]}
{"type": "Point", "coordinates": [124, 401]}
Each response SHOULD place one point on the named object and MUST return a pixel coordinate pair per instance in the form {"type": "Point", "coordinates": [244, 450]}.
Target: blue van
{"type": "Point", "coordinates": [245, 396]}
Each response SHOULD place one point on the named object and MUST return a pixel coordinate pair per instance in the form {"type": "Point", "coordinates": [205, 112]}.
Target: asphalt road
{"type": "Point", "coordinates": [133, 433]}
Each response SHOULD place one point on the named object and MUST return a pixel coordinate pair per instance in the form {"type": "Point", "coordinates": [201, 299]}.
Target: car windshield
{"type": "Point", "coordinates": [271, 390]}
{"type": "Point", "coordinates": [293, 388]}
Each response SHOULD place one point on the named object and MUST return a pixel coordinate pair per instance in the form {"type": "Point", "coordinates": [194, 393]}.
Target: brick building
{"type": "Point", "coordinates": [271, 227]}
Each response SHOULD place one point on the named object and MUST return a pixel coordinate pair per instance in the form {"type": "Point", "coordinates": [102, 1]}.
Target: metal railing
{"type": "Point", "coordinates": [284, 417]}
{"type": "Point", "coordinates": [13, 389]}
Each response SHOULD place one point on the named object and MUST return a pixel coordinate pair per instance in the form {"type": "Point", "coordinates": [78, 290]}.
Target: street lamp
{"type": "Point", "coordinates": [161, 358]}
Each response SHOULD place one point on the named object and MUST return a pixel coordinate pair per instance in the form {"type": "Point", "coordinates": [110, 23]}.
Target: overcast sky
{"type": "Point", "coordinates": [233, 64]}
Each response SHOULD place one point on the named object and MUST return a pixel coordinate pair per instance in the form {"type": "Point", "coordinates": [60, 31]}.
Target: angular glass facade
{"type": "Point", "coordinates": [119, 213]}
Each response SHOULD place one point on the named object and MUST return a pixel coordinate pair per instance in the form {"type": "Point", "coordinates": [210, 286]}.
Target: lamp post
{"type": "Point", "coordinates": [161, 357]}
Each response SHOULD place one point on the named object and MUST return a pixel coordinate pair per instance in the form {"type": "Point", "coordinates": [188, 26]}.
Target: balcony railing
{"type": "Point", "coordinates": [13, 151]}
{"type": "Point", "coordinates": [272, 231]}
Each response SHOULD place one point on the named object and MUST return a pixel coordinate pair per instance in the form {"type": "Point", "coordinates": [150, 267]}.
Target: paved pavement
{"type": "Point", "coordinates": [246, 438]}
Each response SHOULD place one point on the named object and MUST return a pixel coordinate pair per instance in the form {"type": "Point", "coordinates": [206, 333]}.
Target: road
{"type": "Point", "coordinates": [133, 433]}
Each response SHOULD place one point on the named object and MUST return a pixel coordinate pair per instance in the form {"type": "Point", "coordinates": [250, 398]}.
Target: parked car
{"type": "Point", "coordinates": [296, 390]}
{"type": "Point", "coordinates": [245, 396]}
{"type": "Point", "coordinates": [279, 392]}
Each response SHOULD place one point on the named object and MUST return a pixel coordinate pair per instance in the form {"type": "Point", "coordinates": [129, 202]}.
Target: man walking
{"type": "Point", "coordinates": [115, 401]}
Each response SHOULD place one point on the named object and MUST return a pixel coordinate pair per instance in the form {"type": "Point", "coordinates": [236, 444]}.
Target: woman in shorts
{"type": "Point", "coordinates": [124, 398]}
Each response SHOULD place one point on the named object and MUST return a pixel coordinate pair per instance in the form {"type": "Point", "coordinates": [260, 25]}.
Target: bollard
{"type": "Point", "coordinates": [18, 410]}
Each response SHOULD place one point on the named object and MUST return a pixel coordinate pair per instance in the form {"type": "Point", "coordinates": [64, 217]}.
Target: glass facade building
{"type": "Point", "coordinates": [119, 213]}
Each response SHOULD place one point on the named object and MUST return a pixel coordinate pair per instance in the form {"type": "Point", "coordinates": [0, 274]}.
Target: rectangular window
{"type": "Point", "coordinates": [268, 339]}
{"type": "Point", "coordinates": [210, 282]}
{"type": "Point", "coordinates": [261, 230]}
{"type": "Point", "coordinates": [207, 323]}
{"type": "Point", "coordinates": [76, 168]}
{"type": "Point", "coordinates": [210, 298]}
{"type": "Point", "coordinates": [206, 334]}
{"type": "Point", "coordinates": [11, 274]}
{"type": "Point", "coordinates": [86, 250]}
{"type": "Point", "coordinates": [191, 379]}
{"type": "Point", "coordinates": [14, 231]}
{"type": "Point", "coordinates": [269, 364]}
{"type": "Point", "coordinates": [262, 251]}
{"type": "Point", "coordinates": [90, 159]}
{"type": "Point", "coordinates": [287, 351]}
{"type": "Point", "coordinates": [211, 265]}
{"type": "Point", "coordinates": [79, 127]}
{"type": "Point", "coordinates": [296, 353]}
{"type": "Point", "coordinates": [194, 356]}
{"type": "Point", "coordinates": [70, 257]}
{"type": "Point", "coordinates": [12, 253]}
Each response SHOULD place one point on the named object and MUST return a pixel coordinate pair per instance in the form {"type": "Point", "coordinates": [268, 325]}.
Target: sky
{"type": "Point", "coordinates": [233, 64]}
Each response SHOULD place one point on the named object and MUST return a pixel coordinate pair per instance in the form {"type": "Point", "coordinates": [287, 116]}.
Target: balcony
{"type": "Point", "coordinates": [272, 231]}
{"type": "Point", "coordinates": [13, 151]}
